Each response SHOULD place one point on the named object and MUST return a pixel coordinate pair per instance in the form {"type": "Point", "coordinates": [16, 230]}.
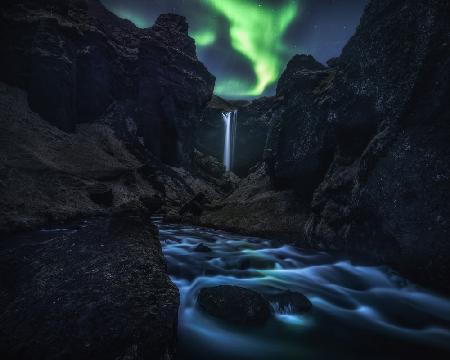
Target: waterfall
{"type": "Point", "coordinates": [230, 122]}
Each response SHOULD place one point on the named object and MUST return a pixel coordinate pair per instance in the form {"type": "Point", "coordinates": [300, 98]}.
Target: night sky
{"type": "Point", "coordinates": [246, 44]}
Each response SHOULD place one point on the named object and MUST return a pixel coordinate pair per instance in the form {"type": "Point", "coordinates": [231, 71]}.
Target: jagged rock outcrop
{"type": "Point", "coordinates": [256, 208]}
{"type": "Point", "coordinates": [363, 144]}
{"type": "Point", "coordinates": [389, 199]}
{"type": "Point", "coordinates": [76, 60]}
{"type": "Point", "coordinates": [96, 291]}
{"type": "Point", "coordinates": [50, 176]}
{"type": "Point", "coordinates": [299, 152]}
{"type": "Point", "coordinates": [105, 114]}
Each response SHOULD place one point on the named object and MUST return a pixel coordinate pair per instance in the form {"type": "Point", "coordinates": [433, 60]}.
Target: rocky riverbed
{"type": "Point", "coordinates": [358, 310]}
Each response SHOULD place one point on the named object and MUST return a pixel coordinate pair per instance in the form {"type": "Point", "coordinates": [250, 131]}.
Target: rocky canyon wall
{"type": "Point", "coordinates": [362, 147]}
{"type": "Point", "coordinates": [77, 61]}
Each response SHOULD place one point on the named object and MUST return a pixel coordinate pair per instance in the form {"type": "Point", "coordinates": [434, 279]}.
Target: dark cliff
{"type": "Point", "coordinates": [94, 111]}
{"type": "Point", "coordinates": [77, 61]}
{"type": "Point", "coordinates": [97, 117]}
{"type": "Point", "coordinates": [363, 146]}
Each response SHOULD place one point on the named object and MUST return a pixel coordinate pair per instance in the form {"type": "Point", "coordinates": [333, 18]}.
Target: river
{"type": "Point", "coordinates": [359, 311]}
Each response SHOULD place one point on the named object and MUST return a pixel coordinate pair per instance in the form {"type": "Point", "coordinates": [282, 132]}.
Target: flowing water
{"type": "Point", "coordinates": [359, 312]}
{"type": "Point", "coordinates": [230, 123]}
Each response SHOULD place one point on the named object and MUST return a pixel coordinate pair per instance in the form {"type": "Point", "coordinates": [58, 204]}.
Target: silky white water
{"type": "Point", "coordinates": [359, 311]}
{"type": "Point", "coordinates": [230, 123]}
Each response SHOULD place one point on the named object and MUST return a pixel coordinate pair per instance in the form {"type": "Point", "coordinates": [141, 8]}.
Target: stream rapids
{"type": "Point", "coordinates": [359, 311]}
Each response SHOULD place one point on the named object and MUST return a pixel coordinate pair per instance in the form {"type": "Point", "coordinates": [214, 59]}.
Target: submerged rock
{"type": "Point", "coordinates": [202, 248]}
{"type": "Point", "coordinates": [235, 304]}
{"type": "Point", "coordinates": [255, 262]}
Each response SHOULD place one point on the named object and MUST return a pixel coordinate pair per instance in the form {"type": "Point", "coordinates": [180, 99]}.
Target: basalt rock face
{"type": "Point", "coordinates": [362, 143]}
{"type": "Point", "coordinates": [170, 110]}
{"type": "Point", "coordinates": [390, 199]}
{"type": "Point", "coordinates": [254, 121]}
{"type": "Point", "coordinates": [96, 291]}
{"type": "Point", "coordinates": [95, 112]}
{"type": "Point", "coordinates": [76, 60]}
{"type": "Point", "coordinates": [299, 152]}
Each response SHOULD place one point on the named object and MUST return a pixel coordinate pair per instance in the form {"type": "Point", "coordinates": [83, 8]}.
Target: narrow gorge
{"type": "Point", "coordinates": [149, 210]}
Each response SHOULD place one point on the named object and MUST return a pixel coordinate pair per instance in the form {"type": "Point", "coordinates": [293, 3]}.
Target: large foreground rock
{"type": "Point", "coordinates": [99, 291]}
{"type": "Point", "coordinates": [235, 304]}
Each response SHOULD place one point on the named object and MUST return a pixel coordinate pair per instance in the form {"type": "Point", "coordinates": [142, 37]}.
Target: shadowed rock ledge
{"type": "Point", "coordinates": [94, 291]}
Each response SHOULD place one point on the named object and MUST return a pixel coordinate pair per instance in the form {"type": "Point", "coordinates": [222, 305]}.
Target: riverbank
{"type": "Point", "coordinates": [97, 289]}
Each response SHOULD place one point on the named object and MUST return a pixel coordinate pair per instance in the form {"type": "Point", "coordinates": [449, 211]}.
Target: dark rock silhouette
{"type": "Point", "coordinates": [235, 304]}
{"type": "Point", "coordinates": [123, 103]}
{"type": "Point", "coordinates": [76, 60]}
{"type": "Point", "coordinates": [101, 194]}
{"type": "Point", "coordinates": [202, 248]}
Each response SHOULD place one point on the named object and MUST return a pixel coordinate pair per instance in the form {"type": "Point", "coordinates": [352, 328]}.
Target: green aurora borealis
{"type": "Point", "coordinates": [256, 32]}
{"type": "Point", "coordinates": [246, 44]}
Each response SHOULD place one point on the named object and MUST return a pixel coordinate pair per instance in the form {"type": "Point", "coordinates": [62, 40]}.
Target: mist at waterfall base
{"type": "Point", "coordinates": [359, 311]}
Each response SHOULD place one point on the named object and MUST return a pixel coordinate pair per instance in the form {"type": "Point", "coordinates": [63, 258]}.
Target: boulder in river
{"type": "Point", "coordinates": [235, 304]}
{"type": "Point", "coordinates": [255, 262]}
{"type": "Point", "coordinates": [202, 248]}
